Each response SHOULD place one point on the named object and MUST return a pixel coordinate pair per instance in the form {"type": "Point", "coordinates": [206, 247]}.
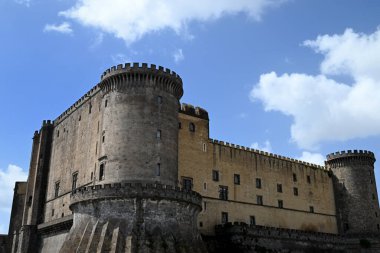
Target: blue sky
{"type": "Point", "coordinates": [296, 78]}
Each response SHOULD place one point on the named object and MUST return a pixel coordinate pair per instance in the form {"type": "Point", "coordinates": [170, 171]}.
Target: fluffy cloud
{"type": "Point", "coordinates": [8, 177]}
{"type": "Point", "coordinates": [178, 56]}
{"type": "Point", "coordinates": [322, 108]}
{"type": "Point", "coordinates": [130, 20]}
{"type": "Point", "coordinates": [23, 2]}
{"type": "Point", "coordinates": [267, 147]}
{"type": "Point", "coordinates": [62, 28]}
{"type": "Point", "coordinates": [314, 158]}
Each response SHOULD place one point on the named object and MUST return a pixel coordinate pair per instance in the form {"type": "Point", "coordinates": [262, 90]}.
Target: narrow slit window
{"type": "Point", "coordinates": [279, 187]}
{"type": "Point", "coordinates": [106, 103]}
{"type": "Point", "coordinates": [192, 127]}
{"type": "Point", "coordinates": [89, 108]}
{"type": "Point", "coordinates": [308, 179]}
{"type": "Point", "coordinates": [237, 179]}
{"type": "Point", "coordinates": [158, 134]}
{"type": "Point", "coordinates": [252, 220]}
{"type": "Point", "coordinates": [74, 181]}
{"type": "Point", "coordinates": [258, 183]}
{"type": "Point", "coordinates": [224, 217]}
{"type": "Point", "coordinates": [159, 100]}
{"type": "Point", "coordinates": [294, 177]}
{"type": "Point", "coordinates": [56, 189]}
{"type": "Point", "coordinates": [158, 169]}
{"type": "Point", "coordinates": [295, 191]}
{"type": "Point", "coordinates": [101, 172]}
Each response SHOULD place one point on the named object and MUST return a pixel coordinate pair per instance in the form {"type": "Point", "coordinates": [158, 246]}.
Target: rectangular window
{"type": "Point", "coordinates": [101, 172]}
{"type": "Point", "coordinates": [311, 208]}
{"type": "Point", "coordinates": [280, 203]}
{"type": "Point", "coordinates": [279, 187]}
{"type": "Point", "coordinates": [74, 181]}
{"type": "Point", "coordinates": [52, 212]}
{"type": "Point", "coordinates": [373, 196]}
{"type": "Point", "coordinates": [258, 183]}
{"type": "Point", "coordinates": [204, 186]}
{"type": "Point", "coordinates": [294, 177]}
{"type": "Point", "coordinates": [200, 224]}
{"type": "Point", "coordinates": [179, 125]}
{"type": "Point", "coordinates": [252, 220]}
{"type": "Point", "coordinates": [224, 217]}
{"type": "Point", "coordinates": [159, 100]}
{"type": "Point", "coordinates": [106, 103]}
{"type": "Point", "coordinates": [308, 179]}
{"type": "Point", "coordinates": [204, 148]}
{"type": "Point", "coordinates": [295, 191]}
{"type": "Point", "coordinates": [223, 192]}
{"type": "Point", "coordinates": [103, 138]}
{"type": "Point", "coordinates": [259, 200]}
{"type": "Point", "coordinates": [187, 183]}
{"type": "Point", "coordinates": [158, 134]}
{"type": "Point", "coordinates": [345, 227]}
{"type": "Point", "coordinates": [204, 206]}
{"type": "Point", "coordinates": [56, 189]}
{"type": "Point", "coordinates": [236, 179]}
{"type": "Point", "coordinates": [89, 108]}
{"type": "Point", "coordinates": [158, 169]}
{"type": "Point", "coordinates": [191, 127]}
{"type": "Point", "coordinates": [215, 175]}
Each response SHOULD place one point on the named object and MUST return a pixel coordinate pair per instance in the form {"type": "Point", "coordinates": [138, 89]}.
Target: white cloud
{"type": "Point", "coordinates": [315, 158]}
{"type": "Point", "coordinates": [23, 2]}
{"type": "Point", "coordinates": [120, 58]}
{"type": "Point", "coordinates": [178, 56]}
{"type": "Point", "coordinates": [267, 147]}
{"type": "Point", "coordinates": [8, 178]}
{"type": "Point", "coordinates": [322, 108]}
{"type": "Point", "coordinates": [62, 28]}
{"type": "Point", "coordinates": [130, 20]}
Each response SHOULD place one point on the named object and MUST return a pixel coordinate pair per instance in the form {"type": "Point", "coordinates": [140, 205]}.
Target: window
{"type": "Point", "coordinates": [311, 208]}
{"type": "Point", "coordinates": [373, 196]}
{"type": "Point", "coordinates": [158, 134]}
{"type": "Point", "coordinates": [252, 220]}
{"type": "Point", "coordinates": [259, 200]}
{"type": "Point", "coordinates": [204, 206]}
{"type": "Point", "coordinates": [56, 189]}
{"type": "Point", "coordinates": [295, 191]}
{"type": "Point", "coordinates": [294, 177]}
{"type": "Point", "coordinates": [200, 224]}
{"type": "Point", "coordinates": [92, 175]}
{"type": "Point", "coordinates": [57, 133]}
{"type": "Point", "coordinates": [224, 217]}
{"type": "Point", "coordinates": [158, 169]}
{"type": "Point", "coordinates": [159, 100]}
{"type": "Point", "coordinates": [101, 172]}
{"type": "Point", "coordinates": [89, 108]}
{"type": "Point", "coordinates": [376, 214]}
{"type": "Point", "coordinates": [52, 212]}
{"type": "Point", "coordinates": [204, 186]}
{"type": "Point", "coordinates": [280, 203]}
{"type": "Point", "coordinates": [215, 175]}
{"type": "Point", "coordinates": [192, 127]}
{"type": "Point", "coordinates": [308, 179]}
{"type": "Point", "coordinates": [345, 227]}
{"type": "Point", "coordinates": [80, 117]}
{"type": "Point", "coordinates": [74, 181]}
{"type": "Point", "coordinates": [187, 183]}
{"type": "Point", "coordinates": [179, 125]}
{"type": "Point", "coordinates": [378, 226]}
{"type": "Point", "coordinates": [236, 179]}
{"type": "Point", "coordinates": [223, 192]}
{"type": "Point", "coordinates": [279, 187]}
{"type": "Point", "coordinates": [106, 103]}
{"type": "Point", "coordinates": [204, 147]}
{"type": "Point", "coordinates": [103, 138]}
{"type": "Point", "coordinates": [258, 183]}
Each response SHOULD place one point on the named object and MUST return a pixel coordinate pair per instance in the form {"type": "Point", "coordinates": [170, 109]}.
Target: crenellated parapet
{"type": "Point", "coordinates": [194, 111]}
{"type": "Point", "coordinates": [122, 77]}
{"type": "Point", "coordinates": [135, 190]}
{"type": "Point", "coordinates": [268, 154]}
{"type": "Point", "coordinates": [350, 157]}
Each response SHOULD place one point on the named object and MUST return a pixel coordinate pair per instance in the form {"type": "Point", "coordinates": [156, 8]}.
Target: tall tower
{"type": "Point", "coordinates": [355, 191]}
{"type": "Point", "coordinates": [138, 207]}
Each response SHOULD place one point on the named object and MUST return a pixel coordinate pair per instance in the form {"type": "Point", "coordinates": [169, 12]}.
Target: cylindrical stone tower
{"type": "Point", "coordinates": [355, 191]}
{"type": "Point", "coordinates": [137, 206]}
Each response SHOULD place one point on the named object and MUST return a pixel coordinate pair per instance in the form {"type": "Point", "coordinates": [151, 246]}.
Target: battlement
{"type": "Point", "coordinates": [350, 153]}
{"type": "Point", "coordinates": [194, 111]}
{"type": "Point", "coordinates": [227, 144]}
{"type": "Point", "coordinates": [121, 77]}
{"type": "Point", "coordinates": [133, 190]}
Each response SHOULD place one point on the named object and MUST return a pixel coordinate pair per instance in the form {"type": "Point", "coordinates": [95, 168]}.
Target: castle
{"type": "Point", "coordinates": [127, 168]}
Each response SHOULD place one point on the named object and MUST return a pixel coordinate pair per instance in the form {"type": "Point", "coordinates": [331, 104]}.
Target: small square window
{"type": "Point", "coordinates": [308, 179]}
{"type": "Point", "coordinates": [258, 183]}
{"type": "Point", "coordinates": [259, 200]}
{"type": "Point", "coordinates": [294, 177]}
{"type": "Point", "coordinates": [215, 175]}
{"type": "Point", "coordinates": [223, 192]}
{"type": "Point", "coordinates": [236, 179]}
{"type": "Point", "coordinates": [280, 203]}
{"type": "Point", "coordinates": [224, 217]}
{"type": "Point", "coordinates": [295, 191]}
{"type": "Point", "coordinates": [279, 187]}
{"type": "Point", "coordinates": [252, 220]}
{"type": "Point", "coordinates": [311, 208]}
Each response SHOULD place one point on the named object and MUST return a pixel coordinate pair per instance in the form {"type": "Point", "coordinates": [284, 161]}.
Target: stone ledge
{"type": "Point", "coordinates": [58, 225]}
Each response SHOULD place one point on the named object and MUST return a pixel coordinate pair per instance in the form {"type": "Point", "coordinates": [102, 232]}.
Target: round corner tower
{"type": "Point", "coordinates": [355, 191]}
{"type": "Point", "coordinates": [137, 206]}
